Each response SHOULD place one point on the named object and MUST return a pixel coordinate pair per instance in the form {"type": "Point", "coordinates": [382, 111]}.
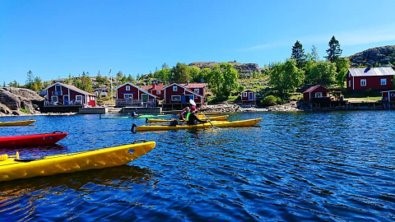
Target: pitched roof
{"type": "Point", "coordinates": [377, 71]}
{"type": "Point", "coordinates": [312, 88]}
{"type": "Point", "coordinates": [138, 88]}
{"type": "Point", "coordinates": [72, 88]}
{"type": "Point", "coordinates": [159, 86]}
{"type": "Point", "coordinates": [182, 86]}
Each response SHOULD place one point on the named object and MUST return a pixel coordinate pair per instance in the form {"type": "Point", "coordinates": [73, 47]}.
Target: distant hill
{"type": "Point", "coordinates": [378, 56]}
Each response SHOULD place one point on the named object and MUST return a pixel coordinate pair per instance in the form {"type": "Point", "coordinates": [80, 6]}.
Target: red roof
{"type": "Point", "coordinates": [311, 89]}
{"type": "Point", "coordinates": [153, 86]}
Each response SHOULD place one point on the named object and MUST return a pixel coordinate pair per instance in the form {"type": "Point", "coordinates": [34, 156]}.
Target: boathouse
{"type": "Point", "coordinates": [316, 91]}
{"type": "Point", "coordinates": [248, 97]}
{"type": "Point", "coordinates": [178, 96]}
{"type": "Point", "coordinates": [60, 94]}
{"type": "Point", "coordinates": [129, 94]}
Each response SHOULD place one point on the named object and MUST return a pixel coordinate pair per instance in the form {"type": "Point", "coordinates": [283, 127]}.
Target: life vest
{"type": "Point", "coordinates": [187, 116]}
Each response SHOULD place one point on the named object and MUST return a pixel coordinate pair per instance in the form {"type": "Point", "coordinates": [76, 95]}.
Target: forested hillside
{"type": "Point", "coordinates": [378, 56]}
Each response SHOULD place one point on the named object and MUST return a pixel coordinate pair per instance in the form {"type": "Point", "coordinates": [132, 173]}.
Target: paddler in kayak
{"type": "Point", "coordinates": [190, 117]}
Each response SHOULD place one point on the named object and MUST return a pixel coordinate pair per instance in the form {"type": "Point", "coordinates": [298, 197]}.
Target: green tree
{"type": "Point", "coordinates": [334, 51]}
{"type": "Point", "coordinates": [163, 74]}
{"type": "Point", "coordinates": [342, 66]}
{"type": "Point", "coordinates": [298, 54]}
{"type": "Point", "coordinates": [222, 79]}
{"type": "Point", "coordinates": [14, 84]}
{"type": "Point", "coordinates": [286, 77]}
{"type": "Point", "coordinates": [321, 72]}
{"type": "Point", "coordinates": [30, 79]}
{"type": "Point", "coordinates": [180, 73]}
{"type": "Point", "coordinates": [37, 84]}
{"type": "Point", "coordinates": [313, 55]}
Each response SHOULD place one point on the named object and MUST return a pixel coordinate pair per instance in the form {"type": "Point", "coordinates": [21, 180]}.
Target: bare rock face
{"type": "Point", "coordinates": [17, 101]}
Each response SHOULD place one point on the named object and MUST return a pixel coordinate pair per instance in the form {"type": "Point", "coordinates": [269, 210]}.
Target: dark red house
{"type": "Point", "coordinates": [198, 88]}
{"type": "Point", "coordinates": [155, 89]}
{"type": "Point", "coordinates": [379, 78]}
{"type": "Point", "coordinates": [313, 92]}
{"type": "Point", "coordinates": [248, 97]}
{"type": "Point", "coordinates": [132, 95]}
{"type": "Point", "coordinates": [179, 95]}
{"type": "Point", "coordinates": [60, 94]}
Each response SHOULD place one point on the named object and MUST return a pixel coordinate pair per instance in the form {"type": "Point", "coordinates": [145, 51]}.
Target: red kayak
{"type": "Point", "coordinates": [42, 139]}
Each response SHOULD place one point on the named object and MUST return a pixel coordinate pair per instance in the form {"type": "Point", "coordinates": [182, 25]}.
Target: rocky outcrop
{"type": "Point", "coordinates": [19, 101]}
{"type": "Point", "coordinates": [379, 56]}
{"type": "Point", "coordinates": [292, 106]}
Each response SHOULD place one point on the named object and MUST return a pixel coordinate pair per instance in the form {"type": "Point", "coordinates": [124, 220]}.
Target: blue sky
{"type": "Point", "coordinates": [58, 38]}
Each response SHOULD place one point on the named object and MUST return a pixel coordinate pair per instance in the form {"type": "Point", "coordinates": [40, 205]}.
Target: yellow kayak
{"type": "Point", "coordinates": [220, 124]}
{"type": "Point", "coordinates": [12, 168]}
{"type": "Point", "coordinates": [217, 118]}
{"type": "Point", "coordinates": [18, 123]}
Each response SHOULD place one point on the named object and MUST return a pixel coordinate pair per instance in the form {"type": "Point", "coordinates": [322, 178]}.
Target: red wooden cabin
{"type": "Point", "coordinates": [361, 79]}
{"type": "Point", "coordinates": [316, 91]}
{"type": "Point", "coordinates": [60, 94]}
{"type": "Point", "coordinates": [179, 95]}
{"type": "Point", "coordinates": [129, 94]}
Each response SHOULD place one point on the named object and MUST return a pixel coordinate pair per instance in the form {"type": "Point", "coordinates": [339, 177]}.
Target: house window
{"type": "Point", "coordinates": [244, 94]}
{"type": "Point", "coordinates": [128, 96]}
{"type": "Point", "coordinates": [174, 88]}
{"type": "Point", "coordinates": [349, 83]}
{"type": "Point", "coordinates": [54, 100]}
{"type": "Point", "coordinates": [318, 95]}
{"type": "Point", "coordinates": [78, 99]}
{"type": "Point", "coordinates": [127, 88]}
{"type": "Point", "coordinates": [363, 82]}
{"type": "Point", "coordinates": [197, 91]}
{"type": "Point", "coordinates": [176, 98]}
{"type": "Point", "coordinates": [158, 92]}
{"type": "Point", "coordinates": [383, 82]}
{"type": "Point", "coordinates": [58, 90]}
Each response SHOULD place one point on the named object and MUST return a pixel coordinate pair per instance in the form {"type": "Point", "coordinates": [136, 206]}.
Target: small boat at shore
{"type": "Point", "coordinates": [18, 123]}
{"type": "Point", "coordinates": [12, 168]}
{"type": "Point", "coordinates": [209, 124]}
{"type": "Point", "coordinates": [29, 140]}
{"type": "Point", "coordinates": [211, 118]}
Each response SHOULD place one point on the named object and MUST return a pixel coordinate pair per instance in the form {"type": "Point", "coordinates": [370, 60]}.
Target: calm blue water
{"type": "Point", "coordinates": [337, 166]}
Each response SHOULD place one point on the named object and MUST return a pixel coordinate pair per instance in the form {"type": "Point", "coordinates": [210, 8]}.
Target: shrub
{"type": "Point", "coordinates": [270, 100]}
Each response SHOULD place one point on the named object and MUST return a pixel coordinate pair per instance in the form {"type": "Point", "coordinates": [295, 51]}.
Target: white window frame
{"type": "Point", "coordinates": [158, 92]}
{"type": "Point", "coordinates": [78, 99]}
{"type": "Point", "coordinates": [383, 82]}
{"type": "Point", "coordinates": [54, 99]}
{"type": "Point", "coordinates": [173, 98]}
{"type": "Point", "coordinates": [127, 88]}
{"type": "Point", "coordinates": [128, 96]}
{"type": "Point", "coordinates": [175, 88]}
{"type": "Point", "coordinates": [318, 95]}
{"type": "Point", "coordinates": [244, 94]}
{"type": "Point", "coordinates": [197, 91]}
{"type": "Point", "coordinates": [363, 82]}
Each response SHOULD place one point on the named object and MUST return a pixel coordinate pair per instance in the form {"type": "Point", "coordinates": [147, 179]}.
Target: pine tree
{"type": "Point", "coordinates": [298, 54]}
{"type": "Point", "coordinates": [334, 50]}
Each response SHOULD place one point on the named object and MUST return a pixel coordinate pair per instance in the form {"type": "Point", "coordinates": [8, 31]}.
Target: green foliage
{"type": "Point", "coordinates": [181, 73]}
{"type": "Point", "coordinates": [33, 83]}
{"type": "Point", "coordinates": [322, 72]}
{"type": "Point", "coordinates": [334, 51]}
{"type": "Point", "coordinates": [270, 100]}
{"type": "Point", "coordinates": [342, 66]}
{"type": "Point", "coordinates": [286, 77]}
{"type": "Point", "coordinates": [14, 84]}
{"type": "Point", "coordinates": [298, 54]}
{"type": "Point", "coordinates": [222, 80]}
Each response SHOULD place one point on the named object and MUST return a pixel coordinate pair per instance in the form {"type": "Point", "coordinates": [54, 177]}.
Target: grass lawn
{"type": "Point", "coordinates": [364, 99]}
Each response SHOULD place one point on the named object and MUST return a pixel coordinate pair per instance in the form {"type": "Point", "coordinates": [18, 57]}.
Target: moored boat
{"type": "Point", "coordinates": [18, 123]}
{"type": "Point", "coordinates": [202, 117]}
{"type": "Point", "coordinates": [28, 140]}
{"type": "Point", "coordinates": [209, 124]}
{"type": "Point", "coordinates": [12, 168]}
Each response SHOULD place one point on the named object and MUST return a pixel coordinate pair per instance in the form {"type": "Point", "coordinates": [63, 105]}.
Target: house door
{"type": "Point", "coordinates": [65, 99]}
{"type": "Point", "coordinates": [250, 96]}
{"type": "Point", "coordinates": [144, 98]}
